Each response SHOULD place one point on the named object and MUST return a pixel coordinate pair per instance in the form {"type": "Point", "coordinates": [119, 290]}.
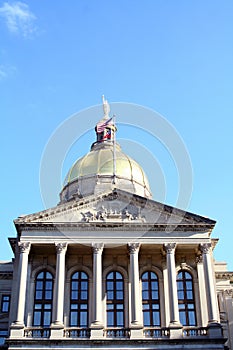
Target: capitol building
{"type": "Point", "coordinates": [110, 268]}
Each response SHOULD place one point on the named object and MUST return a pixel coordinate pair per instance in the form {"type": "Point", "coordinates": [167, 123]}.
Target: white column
{"type": "Point", "coordinates": [97, 305]}
{"type": "Point", "coordinates": [24, 248]}
{"type": "Point", "coordinates": [212, 304]}
{"type": "Point", "coordinates": [202, 292]}
{"type": "Point", "coordinates": [172, 286]}
{"type": "Point", "coordinates": [59, 285]}
{"type": "Point", "coordinates": [17, 327]}
{"type": "Point", "coordinates": [97, 249]}
{"type": "Point", "coordinates": [136, 318]}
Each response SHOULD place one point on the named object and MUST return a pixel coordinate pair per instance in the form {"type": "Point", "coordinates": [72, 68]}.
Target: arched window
{"type": "Point", "coordinates": [115, 299]}
{"type": "Point", "coordinates": [186, 298]}
{"type": "Point", "coordinates": [79, 300]}
{"type": "Point", "coordinates": [42, 313]}
{"type": "Point", "coordinates": [150, 299]}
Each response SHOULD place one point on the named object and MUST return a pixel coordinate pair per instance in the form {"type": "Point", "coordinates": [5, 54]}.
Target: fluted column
{"type": "Point", "coordinates": [172, 286]}
{"type": "Point", "coordinates": [135, 288]}
{"type": "Point", "coordinates": [97, 249]}
{"type": "Point", "coordinates": [59, 285]}
{"type": "Point", "coordinates": [211, 297]}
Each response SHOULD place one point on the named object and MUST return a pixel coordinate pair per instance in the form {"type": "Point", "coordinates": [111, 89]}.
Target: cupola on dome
{"type": "Point", "coordinates": [105, 167]}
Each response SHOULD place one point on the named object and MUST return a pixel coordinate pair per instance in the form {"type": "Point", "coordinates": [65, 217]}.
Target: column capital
{"type": "Point", "coordinates": [169, 247]}
{"type": "Point", "coordinates": [24, 247]}
{"type": "Point", "coordinates": [205, 248]}
{"type": "Point", "coordinates": [97, 248]}
{"type": "Point", "coordinates": [61, 247]}
{"type": "Point", "coordinates": [133, 247]}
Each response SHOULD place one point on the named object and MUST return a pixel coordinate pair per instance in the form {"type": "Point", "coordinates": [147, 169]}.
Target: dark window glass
{"type": "Point", "coordinates": [186, 298]}
{"type": "Point", "coordinates": [115, 299]}
{"type": "Point", "coordinates": [79, 300]}
{"type": "Point", "coordinates": [150, 299]}
{"type": "Point", "coordinates": [43, 299]}
{"type": "Point", "coordinates": [5, 306]}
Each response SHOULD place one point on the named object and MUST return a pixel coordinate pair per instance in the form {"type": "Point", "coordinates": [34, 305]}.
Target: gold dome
{"type": "Point", "coordinates": [105, 167]}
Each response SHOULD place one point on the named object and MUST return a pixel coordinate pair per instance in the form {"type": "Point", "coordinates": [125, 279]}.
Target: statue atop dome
{"type": "Point", "coordinates": [106, 107]}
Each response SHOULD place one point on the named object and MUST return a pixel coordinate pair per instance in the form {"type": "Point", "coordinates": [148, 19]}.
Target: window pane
{"type": "Point", "coordinates": [83, 318]}
{"type": "Point", "coordinates": [39, 295]}
{"type": "Point", "coordinates": [182, 318]}
{"type": "Point", "coordinates": [156, 319]}
{"type": "Point", "coordinates": [39, 285]}
{"type": "Point", "coordinates": [84, 276]}
{"type": "Point", "coordinates": [145, 295]}
{"type": "Point", "coordinates": [145, 285]}
{"type": "Point", "coordinates": [48, 295]}
{"type": "Point", "coordinates": [110, 319]}
{"type": "Point", "coordinates": [189, 285]}
{"type": "Point", "coordinates": [110, 285]}
{"type": "Point", "coordinates": [146, 318]}
{"type": "Point", "coordinates": [120, 320]}
{"type": "Point", "coordinates": [189, 294]}
{"type": "Point", "coordinates": [37, 318]}
{"type": "Point", "coordinates": [180, 295]}
{"type": "Point", "coordinates": [110, 295]}
{"type": "Point", "coordinates": [154, 285]}
{"type": "Point", "coordinates": [192, 319]}
{"type": "Point", "coordinates": [73, 318]}
{"type": "Point", "coordinates": [83, 295]}
{"type": "Point", "coordinates": [48, 285]}
{"type": "Point", "coordinates": [119, 295]}
{"type": "Point", "coordinates": [118, 275]}
{"type": "Point", "coordinates": [47, 318]}
{"type": "Point", "coordinates": [84, 285]}
{"type": "Point", "coordinates": [110, 275]}
{"type": "Point", "coordinates": [119, 285]}
{"type": "Point", "coordinates": [40, 275]}
{"type": "Point", "coordinates": [74, 295]}
{"type": "Point", "coordinates": [155, 295]}
{"type": "Point", "coordinates": [74, 285]}
{"type": "Point", "coordinates": [145, 275]}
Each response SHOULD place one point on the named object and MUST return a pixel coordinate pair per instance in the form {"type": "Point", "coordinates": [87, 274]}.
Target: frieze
{"type": "Point", "coordinates": [109, 214]}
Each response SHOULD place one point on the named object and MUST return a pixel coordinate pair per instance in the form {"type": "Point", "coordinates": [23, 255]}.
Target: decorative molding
{"type": "Point", "coordinates": [97, 248]}
{"type": "Point", "coordinates": [169, 247]}
{"type": "Point", "coordinates": [61, 247]}
{"type": "Point", "coordinates": [133, 247]}
{"type": "Point", "coordinates": [24, 247]}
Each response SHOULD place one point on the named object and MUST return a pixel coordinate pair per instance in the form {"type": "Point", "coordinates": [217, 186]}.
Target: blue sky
{"type": "Point", "coordinates": [174, 57]}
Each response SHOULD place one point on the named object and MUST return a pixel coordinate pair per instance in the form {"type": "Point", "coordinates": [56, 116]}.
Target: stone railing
{"type": "Point", "coordinates": [117, 332]}
{"type": "Point", "coordinates": [195, 332]}
{"type": "Point", "coordinates": [76, 332]}
{"type": "Point", "coordinates": [156, 332]}
{"type": "Point", "coordinates": [37, 332]}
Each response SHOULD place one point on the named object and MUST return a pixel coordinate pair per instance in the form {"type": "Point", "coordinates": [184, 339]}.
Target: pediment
{"type": "Point", "coordinates": [115, 207]}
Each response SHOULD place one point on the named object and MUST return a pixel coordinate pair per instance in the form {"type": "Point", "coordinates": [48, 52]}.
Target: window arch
{"type": "Point", "coordinates": [150, 299]}
{"type": "Point", "coordinates": [115, 299]}
{"type": "Point", "coordinates": [43, 299]}
{"type": "Point", "coordinates": [79, 300]}
{"type": "Point", "coordinates": [186, 299]}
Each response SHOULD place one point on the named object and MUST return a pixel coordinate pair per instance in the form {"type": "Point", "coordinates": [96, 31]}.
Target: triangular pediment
{"type": "Point", "coordinates": [115, 207]}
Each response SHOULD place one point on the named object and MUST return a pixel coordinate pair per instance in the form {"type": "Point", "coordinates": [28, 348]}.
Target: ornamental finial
{"type": "Point", "coordinates": [106, 107]}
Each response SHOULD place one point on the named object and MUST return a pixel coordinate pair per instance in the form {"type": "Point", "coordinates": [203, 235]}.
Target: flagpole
{"type": "Point", "coordinates": [114, 150]}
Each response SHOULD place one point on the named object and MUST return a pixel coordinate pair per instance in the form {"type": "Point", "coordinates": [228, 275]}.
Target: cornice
{"type": "Point", "coordinates": [112, 226]}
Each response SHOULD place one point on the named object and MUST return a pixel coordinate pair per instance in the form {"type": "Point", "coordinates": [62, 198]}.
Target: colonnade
{"type": "Point", "coordinates": [97, 321]}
